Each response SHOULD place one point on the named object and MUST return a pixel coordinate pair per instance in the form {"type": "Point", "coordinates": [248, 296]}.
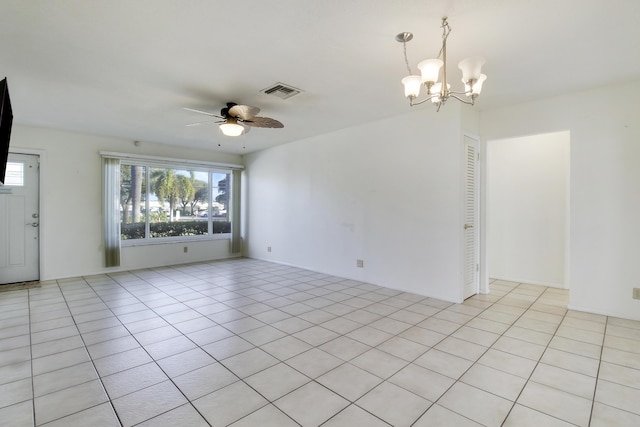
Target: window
{"type": "Point", "coordinates": [176, 202]}
{"type": "Point", "coordinates": [14, 174]}
{"type": "Point", "coordinates": [148, 199]}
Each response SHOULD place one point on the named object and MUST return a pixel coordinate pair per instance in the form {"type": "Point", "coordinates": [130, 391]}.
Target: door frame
{"type": "Point", "coordinates": [41, 205]}
{"type": "Point", "coordinates": [483, 270]}
{"type": "Point", "coordinates": [484, 265]}
{"type": "Point", "coordinates": [479, 226]}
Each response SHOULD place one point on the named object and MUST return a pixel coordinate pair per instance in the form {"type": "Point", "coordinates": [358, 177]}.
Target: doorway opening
{"type": "Point", "coordinates": [527, 210]}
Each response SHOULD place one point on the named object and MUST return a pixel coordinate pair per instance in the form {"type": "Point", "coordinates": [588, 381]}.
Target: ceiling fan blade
{"type": "Point", "coordinates": [263, 122]}
{"type": "Point", "coordinates": [203, 112]}
{"type": "Point", "coordinates": [204, 123]}
{"type": "Point", "coordinates": [244, 112]}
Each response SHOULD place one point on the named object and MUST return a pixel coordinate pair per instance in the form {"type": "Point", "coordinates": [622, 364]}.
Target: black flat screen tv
{"type": "Point", "coordinates": [6, 120]}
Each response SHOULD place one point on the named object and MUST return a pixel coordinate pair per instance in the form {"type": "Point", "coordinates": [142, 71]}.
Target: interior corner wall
{"type": "Point", "coordinates": [387, 193]}
{"type": "Point", "coordinates": [604, 187]}
{"type": "Point", "coordinates": [527, 198]}
{"type": "Point", "coordinates": [71, 238]}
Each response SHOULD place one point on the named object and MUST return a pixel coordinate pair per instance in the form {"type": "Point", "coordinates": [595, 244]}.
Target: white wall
{"type": "Point", "coordinates": [71, 203]}
{"type": "Point", "coordinates": [527, 196]}
{"type": "Point", "coordinates": [388, 193]}
{"type": "Point", "coordinates": [605, 184]}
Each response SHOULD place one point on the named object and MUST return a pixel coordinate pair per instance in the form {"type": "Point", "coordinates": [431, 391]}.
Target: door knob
{"type": "Point", "coordinates": [468, 226]}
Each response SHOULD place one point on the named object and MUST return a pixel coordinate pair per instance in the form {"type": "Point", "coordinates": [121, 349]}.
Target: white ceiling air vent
{"type": "Point", "coordinates": [281, 90]}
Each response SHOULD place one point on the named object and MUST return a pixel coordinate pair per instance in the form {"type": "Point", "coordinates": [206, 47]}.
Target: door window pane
{"type": "Point", "coordinates": [14, 174]}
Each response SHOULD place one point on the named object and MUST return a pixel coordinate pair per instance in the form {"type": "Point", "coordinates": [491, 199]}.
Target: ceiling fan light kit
{"type": "Point", "coordinates": [231, 129]}
{"type": "Point", "coordinates": [439, 92]}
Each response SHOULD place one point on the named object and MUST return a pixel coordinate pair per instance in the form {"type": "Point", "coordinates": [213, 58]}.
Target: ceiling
{"type": "Point", "coordinates": [126, 68]}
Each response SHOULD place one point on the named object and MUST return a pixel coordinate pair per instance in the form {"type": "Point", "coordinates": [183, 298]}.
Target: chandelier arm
{"type": "Point", "coordinates": [466, 101]}
{"type": "Point", "coordinates": [422, 101]}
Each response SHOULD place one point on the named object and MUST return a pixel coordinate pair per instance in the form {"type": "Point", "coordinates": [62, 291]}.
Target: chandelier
{"type": "Point", "coordinates": [439, 92]}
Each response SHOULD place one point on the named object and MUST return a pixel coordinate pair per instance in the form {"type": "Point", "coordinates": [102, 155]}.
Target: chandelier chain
{"type": "Point", "coordinates": [446, 29]}
{"type": "Point", "coordinates": [406, 61]}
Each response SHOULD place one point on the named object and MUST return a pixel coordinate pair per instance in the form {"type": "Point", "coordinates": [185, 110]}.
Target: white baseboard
{"type": "Point", "coordinates": [527, 281]}
{"type": "Point", "coordinates": [608, 313]}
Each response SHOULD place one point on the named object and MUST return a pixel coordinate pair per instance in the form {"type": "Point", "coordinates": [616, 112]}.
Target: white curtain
{"type": "Point", "coordinates": [111, 211]}
{"type": "Point", "coordinates": [236, 240]}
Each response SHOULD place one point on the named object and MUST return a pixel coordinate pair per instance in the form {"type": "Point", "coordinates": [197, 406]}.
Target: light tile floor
{"type": "Point", "coordinates": [250, 343]}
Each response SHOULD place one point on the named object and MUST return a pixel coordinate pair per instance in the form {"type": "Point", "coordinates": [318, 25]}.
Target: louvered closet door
{"type": "Point", "coordinates": [471, 223]}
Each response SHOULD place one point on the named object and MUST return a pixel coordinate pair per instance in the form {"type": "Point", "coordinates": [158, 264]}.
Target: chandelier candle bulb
{"type": "Point", "coordinates": [437, 90]}
{"type": "Point", "coordinates": [475, 88]}
{"type": "Point", "coordinates": [412, 86]}
{"type": "Point", "coordinates": [471, 68]}
{"type": "Point", "coordinates": [430, 69]}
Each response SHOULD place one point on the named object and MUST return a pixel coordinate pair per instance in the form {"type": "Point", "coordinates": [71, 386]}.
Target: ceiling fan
{"type": "Point", "coordinates": [235, 118]}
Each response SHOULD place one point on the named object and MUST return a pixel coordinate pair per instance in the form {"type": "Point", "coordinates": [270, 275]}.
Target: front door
{"type": "Point", "coordinates": [20, 220]}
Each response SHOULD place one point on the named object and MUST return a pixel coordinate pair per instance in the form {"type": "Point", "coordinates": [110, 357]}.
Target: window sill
{"type": "Point", "coordinates": [170, 240]}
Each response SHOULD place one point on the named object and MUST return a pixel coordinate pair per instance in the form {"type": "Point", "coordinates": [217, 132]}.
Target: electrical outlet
{"type": "Point", "coordinates": [186, 249]}
{"type": "Point", "coordinates": [360, 263]}
{"type": "Point", "coordinates": [268, 248]}
{"type": "Point", "coordinates": [636, 293]}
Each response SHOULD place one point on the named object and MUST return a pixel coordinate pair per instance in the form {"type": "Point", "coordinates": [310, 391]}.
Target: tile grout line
{"type": "Point", "coordinates": [87, 350]}
{"type": "Point", "coordinates": [197, 345]}
{"type": "Point", "coordinates": [297, 316]}
{"type": "Point", "coordinates": [344, 362]}
{"type": "Point", "coordinates": [145, 350]}
{"type": "Point", "coordinates": [130, 334]}
{"type": "Point", "coordinates": [433, 347]}
{"type": "Point", "coordinates": [270, 402]}
{"type": "Point", "coordinates": [314, 380]}
{"type": "Point", "coordinates": [398, 309]}
{"type": "Point", "coordinates": [171, 287]}
{"type": "Point", "coordinates": [382, 380]}
{"type": "Point", "coordinates": [515, 401]}
{"type": "Point", "coordinates": [33, 388]}
{"type": "Point", "coordinates": [474, 362]}
{"type": "Point", "coordinates": [235, 334]}
{"type": "Point", "coordinates": [364, 308]}
{"type": "Point", "coordinates": [595, 388]}
{"type": "Point", "coordinates": [62, 293]}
